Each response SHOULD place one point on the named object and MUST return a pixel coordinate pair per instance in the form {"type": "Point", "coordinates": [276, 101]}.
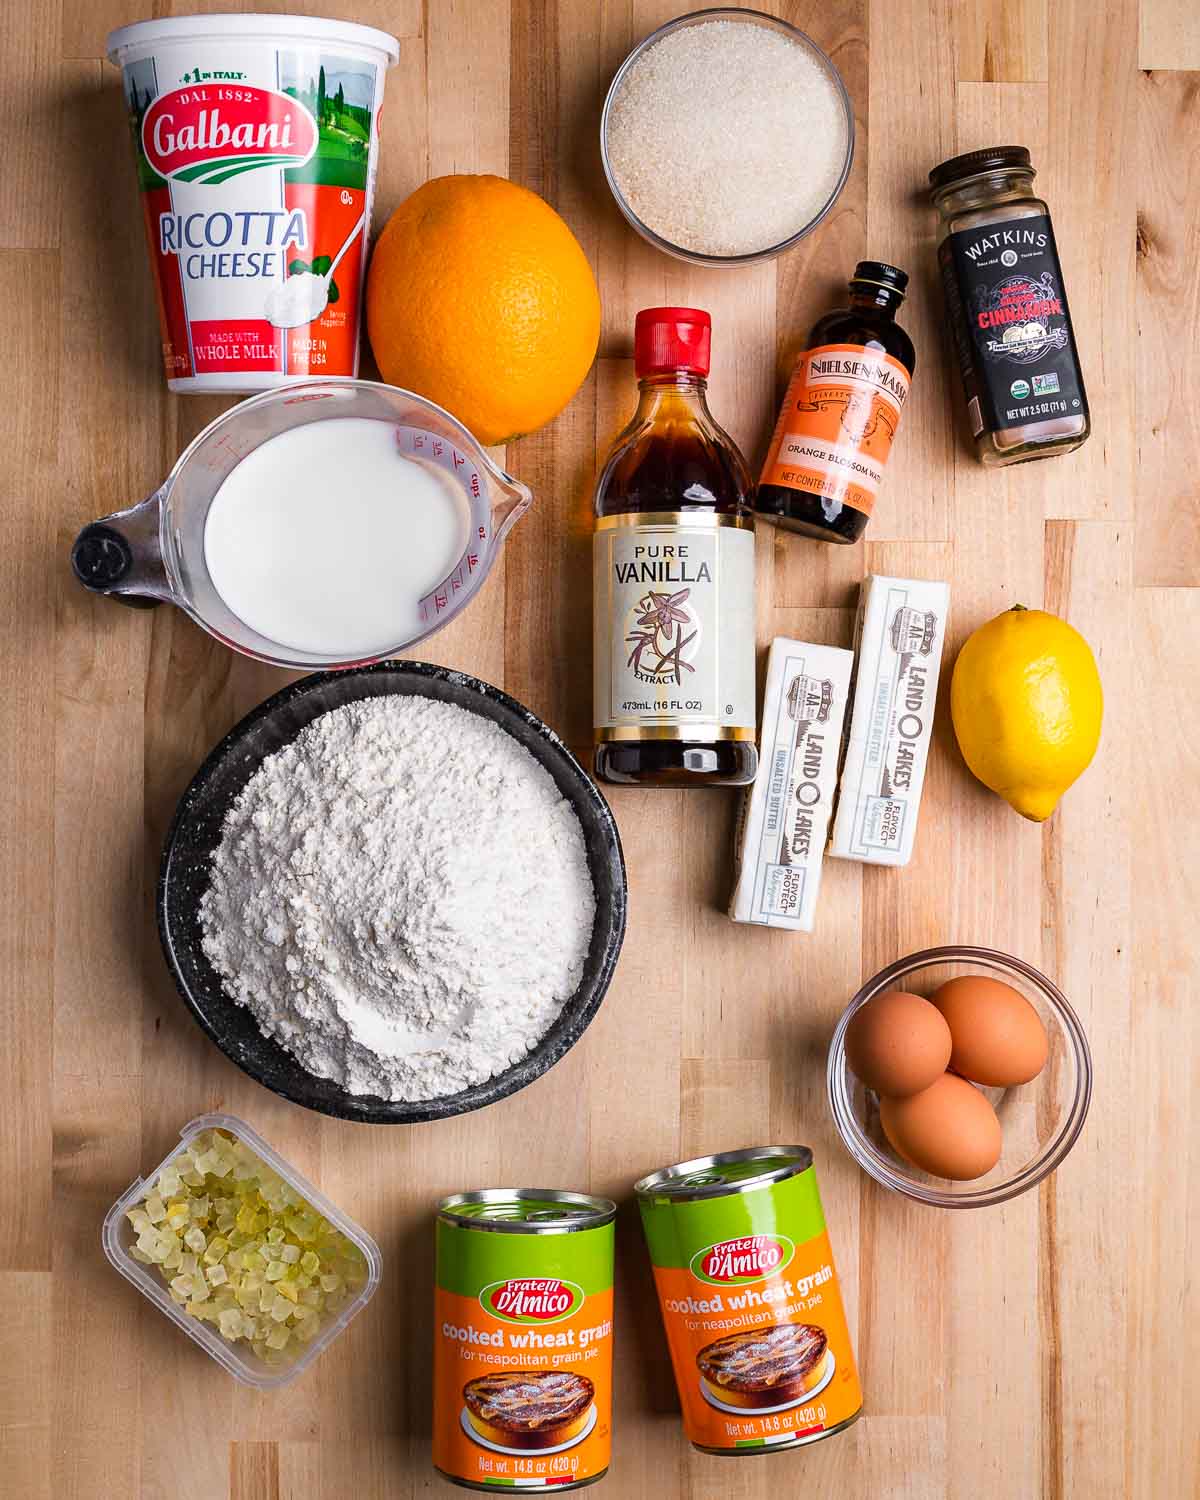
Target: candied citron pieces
{"type": "Point", "coordinates": [241, 1249]}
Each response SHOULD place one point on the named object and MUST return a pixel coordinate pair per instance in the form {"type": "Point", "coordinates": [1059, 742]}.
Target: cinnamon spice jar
{"type": "Point", "coordinates": [1008, 308]}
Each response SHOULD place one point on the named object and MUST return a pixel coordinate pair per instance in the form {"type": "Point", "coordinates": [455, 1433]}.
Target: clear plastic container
{"type": "Point", "coordinates": [1041, 1119]}
{"type": "Point", "coordinates": [239, 1359]}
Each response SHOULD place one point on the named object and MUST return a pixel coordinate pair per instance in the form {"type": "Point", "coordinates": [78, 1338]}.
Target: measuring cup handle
{"type": "Point", "coordinates": [102, 560]}
{"type": "Point", "coordinates": [119, 555]}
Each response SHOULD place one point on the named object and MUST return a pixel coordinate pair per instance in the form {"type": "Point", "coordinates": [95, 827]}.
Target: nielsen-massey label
{"type": "Point", "coordinates": [674, 625]}
{"type": "Point", "coordinates": [1016, 348]}
{"type": "Point", "coordinates": [837, 423]}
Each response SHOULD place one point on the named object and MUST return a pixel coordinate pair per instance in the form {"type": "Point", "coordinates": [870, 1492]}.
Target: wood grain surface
{"type": "Point", "coordinates": [1046, 1350]}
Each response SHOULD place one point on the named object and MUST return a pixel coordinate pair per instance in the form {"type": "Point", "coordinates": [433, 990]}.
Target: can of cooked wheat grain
{"type": "Point", "coordinates": [750, 1300]}
{"type": "Point", "coordinates": [522, 1358]}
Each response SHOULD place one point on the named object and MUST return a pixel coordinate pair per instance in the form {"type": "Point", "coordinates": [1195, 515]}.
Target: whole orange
{"type": "Point", "coordinates": [480, 298]}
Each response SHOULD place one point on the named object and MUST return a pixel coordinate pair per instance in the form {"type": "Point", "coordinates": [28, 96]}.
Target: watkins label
{"type": "Point", "coordinates": [256, 163]}
{"type": "Point", "coordinates": [674, 625]}
{"type": "Point", "coordinates": [736, 1262]}
{"type": "Point", "coordinates": [188, 137]}
{"type": "Point", "coordinates": [531, 1299]}
{"type": "Point", "coordinates": [1012, 326]}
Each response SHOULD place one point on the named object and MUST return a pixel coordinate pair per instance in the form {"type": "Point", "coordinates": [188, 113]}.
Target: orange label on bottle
{"type": "Point", "coordinates": [836, 427]}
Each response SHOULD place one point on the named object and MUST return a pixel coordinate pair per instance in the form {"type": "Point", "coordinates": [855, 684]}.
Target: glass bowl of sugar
{"type": "Point", "coordinates": [727, 136]}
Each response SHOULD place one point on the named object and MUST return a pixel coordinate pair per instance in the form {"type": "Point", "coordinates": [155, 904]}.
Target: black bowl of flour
{"type": "Point", "coordinates": [196, 832]}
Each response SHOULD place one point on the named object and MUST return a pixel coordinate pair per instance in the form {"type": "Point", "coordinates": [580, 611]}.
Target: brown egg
{"type": "Point", "coordinates": [897, 1043]}
{"type": "Point", "coordinates": [948, 1129]}
{"type": "Point", "coordinates": [999, 1039]}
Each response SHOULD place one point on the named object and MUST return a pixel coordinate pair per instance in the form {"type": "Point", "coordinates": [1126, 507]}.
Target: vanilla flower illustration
{"type": "Point", "coordinates": [660, 612]}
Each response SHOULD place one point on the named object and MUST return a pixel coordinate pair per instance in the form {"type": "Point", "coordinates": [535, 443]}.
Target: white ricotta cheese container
{"type": "Point", "coordinates": [256, 138]}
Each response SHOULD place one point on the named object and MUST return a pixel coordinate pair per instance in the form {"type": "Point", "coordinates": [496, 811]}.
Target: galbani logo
{"type": "Point", "coordinates": [192, 135]}
{"type": "Point", "coordinates": [531, 1299]}
{"type": "Point", "coordinates": [751, 1258]}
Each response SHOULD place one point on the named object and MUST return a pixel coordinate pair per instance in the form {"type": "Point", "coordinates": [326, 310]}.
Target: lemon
{"type": "Point", "coordinates": [1026, 702]}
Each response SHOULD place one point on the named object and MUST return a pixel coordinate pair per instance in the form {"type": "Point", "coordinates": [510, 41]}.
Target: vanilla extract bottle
{"type": "Point", "coordinates": [673, 578]}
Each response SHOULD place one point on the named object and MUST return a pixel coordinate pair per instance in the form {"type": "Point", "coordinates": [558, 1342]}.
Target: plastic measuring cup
{"type": "Point", "coordinates": [154, 551]}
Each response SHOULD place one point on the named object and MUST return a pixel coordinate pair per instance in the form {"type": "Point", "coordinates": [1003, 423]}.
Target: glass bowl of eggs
{"type": "Point", "coordinates": [959, 1077]}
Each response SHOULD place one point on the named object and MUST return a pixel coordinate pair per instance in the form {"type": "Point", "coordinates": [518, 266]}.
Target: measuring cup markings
{"type": "Point", "coordinates": [470, 481]}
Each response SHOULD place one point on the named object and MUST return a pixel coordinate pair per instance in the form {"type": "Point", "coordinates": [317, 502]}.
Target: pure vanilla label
{"type": "Point", "coordinates": [674, 625]}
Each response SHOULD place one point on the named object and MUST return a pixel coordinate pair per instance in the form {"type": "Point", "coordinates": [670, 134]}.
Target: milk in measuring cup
{"type": "Point", "coordinates": [255, 140]}
{"type": "Point", "coordinates": [329, 538]}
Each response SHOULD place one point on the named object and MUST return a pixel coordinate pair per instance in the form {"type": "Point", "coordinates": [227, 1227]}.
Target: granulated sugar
{"type": "Point", "coordinates": [727, 137]}
{"type": "Point", "coordinates": [401, 897]}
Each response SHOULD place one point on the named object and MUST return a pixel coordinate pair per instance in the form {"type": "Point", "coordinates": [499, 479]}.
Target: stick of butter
{"type": "Point", "coordinates": [785, 813]}
{"type": "Point", "coordinates": [898, 641]}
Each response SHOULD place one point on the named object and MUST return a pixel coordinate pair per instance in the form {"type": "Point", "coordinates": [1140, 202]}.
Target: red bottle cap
{"type": "Point", "coordinates": [671, 338]}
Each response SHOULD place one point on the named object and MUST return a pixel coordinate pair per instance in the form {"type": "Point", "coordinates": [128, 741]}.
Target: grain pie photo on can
{"type": "Point", "coordinates": [750, 1300]}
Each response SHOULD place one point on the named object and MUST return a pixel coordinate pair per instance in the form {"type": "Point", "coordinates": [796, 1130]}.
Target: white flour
{"type": "Point", "coordinates": [402, 898]}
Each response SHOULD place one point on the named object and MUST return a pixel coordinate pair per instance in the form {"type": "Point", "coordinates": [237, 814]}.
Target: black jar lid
{"type": "Point", "coordinates": [976, 163]}
{"type": "Point", "coordinates": [879, 273]}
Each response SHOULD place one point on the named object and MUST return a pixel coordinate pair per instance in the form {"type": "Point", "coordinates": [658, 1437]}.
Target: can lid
{"type": "Point", "coordinates": [976, 163]}
{"type": "Point", "coordinates": [671, 338]}
{"type": "Point", "coordinates": [726, 1172]}
{"type": "Point", "coordinates": [527, 1210]}
{"type": "Point", "coordinates": [879, 273]}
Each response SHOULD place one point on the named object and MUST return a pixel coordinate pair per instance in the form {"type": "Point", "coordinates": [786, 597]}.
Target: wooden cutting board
{"type": "Point", "coordinates": [1040, 1350]}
